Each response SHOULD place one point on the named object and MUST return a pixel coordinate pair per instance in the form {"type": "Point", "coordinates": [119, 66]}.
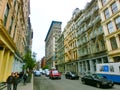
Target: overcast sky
{"type": "Point", "coordinates": [43, 12]}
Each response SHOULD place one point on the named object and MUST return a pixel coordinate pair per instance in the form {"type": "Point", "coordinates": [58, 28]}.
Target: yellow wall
{"type": "Point", "coordinates": [6, 61]}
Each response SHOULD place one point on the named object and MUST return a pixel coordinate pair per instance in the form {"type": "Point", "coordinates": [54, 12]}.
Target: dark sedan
{"type": "Point", "coordinates": [96, 80]}
{"type": "Point", "coordinates": [71, 75]}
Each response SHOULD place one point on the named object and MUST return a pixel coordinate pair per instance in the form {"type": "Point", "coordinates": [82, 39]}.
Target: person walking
{"type": "Point", "coordinates": [9, 81]}
{"type": "Point", "coordinates": [24, 78]}
{"type": "Point", "coordinates": [15, 80]}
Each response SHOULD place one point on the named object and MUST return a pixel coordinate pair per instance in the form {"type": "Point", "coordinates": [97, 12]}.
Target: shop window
{"type": "Point", "coordinates": [117, 21]}
{"type": "Point", "coordinates": [113, 43]}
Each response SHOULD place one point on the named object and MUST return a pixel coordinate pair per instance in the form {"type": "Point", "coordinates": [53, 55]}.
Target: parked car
{"type": "Point", "coordinates": [37, 73]}
{"type": "Point", "coordinates": [54, 74]}
{"type": "Point", "coordinates": [47, 72]}
{"type": "Point", "coordinates": [96, 80]}
{"type": "Point", "coordinates": [71, 75]}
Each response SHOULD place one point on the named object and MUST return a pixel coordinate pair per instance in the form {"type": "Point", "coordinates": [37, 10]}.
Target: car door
{"type": "Point", "coordinates": [68, 75]}
{"type": "Point", "coordinates": [89, 80]}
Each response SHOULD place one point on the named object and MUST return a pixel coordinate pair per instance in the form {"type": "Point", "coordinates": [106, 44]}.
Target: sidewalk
{"type": "Point", "coordinates": [28, 86]}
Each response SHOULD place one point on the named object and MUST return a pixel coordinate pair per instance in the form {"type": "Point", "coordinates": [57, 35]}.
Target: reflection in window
{"type": "Point", "coordinates": [114, 7]}
{"type": "Point", "coordinates": [104, 2]}
{"type": "Point", "coordinates": [119, 68]}
{"type": "Point", "coordinates": [107, 14]}
{"type": "Point", "coordinates": [111, 69]}
{"type": "Point", "coordinates": [101, 68]}
{"type": "Point", "coordinates": [117, 21]}
{"type": "Point", "coordinates": [6, 14]}
{"type": "Point", "coordinates": [113, 43]}
{"type": "Point", "coordinates": [110, 27]}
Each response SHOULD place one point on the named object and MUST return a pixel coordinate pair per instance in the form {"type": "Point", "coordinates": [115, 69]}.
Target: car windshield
{"type": "Point", "coordinates": [55, 72]}
{"type": "Point", "coordinates": [97, 76]}
{"type": "Point", "coordinates": [73, 73]}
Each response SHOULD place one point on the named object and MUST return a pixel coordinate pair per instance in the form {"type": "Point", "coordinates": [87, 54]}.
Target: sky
{"type": "Point", "coordinates": [43, 12]}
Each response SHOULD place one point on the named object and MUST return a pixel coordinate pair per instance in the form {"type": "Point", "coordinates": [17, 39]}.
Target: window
{"type": "Point", "coordinates": [114, 7]}
{"type": "Point", "coordinates": [14, 3]}
{"type": "Point", "coordinates": [104, 2]}
{"type": "Point", "coordinates": [107, 14]}
{"type": "Point", "coordinates": [117, 21]}
{"type": "Point", "coordinates": [119, 68]}
{"type": "Point", "coordinates": [14, 32]}
{"type": "Point", "coordinates": [111, 69]}
{"type": "Point", "coordinates": [113, 43]}
{"type": "Point", "coordinates": [6, 14]}
{"type": "Point", "coordinates": [110, 27]}
{"type": "Point", "coordinates": [119, 37]}
{"type": "Point", "coordinates": [11, 23]}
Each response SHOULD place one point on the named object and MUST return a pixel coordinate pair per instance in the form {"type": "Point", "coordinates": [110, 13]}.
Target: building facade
{"type": "Point", "coordinates": [53, 34]}
{"type": "Point", "coordinates": [90, 39]}
{"type": "Point", "coordinates": [84, 41]}
{"type": "Point", "coordinates": [13, 27]}
{"type": "Point", "coordinates": [60, 63]}
{"type": "Point", "coordinates": [43, 62]}
{"type": "Point", "coordinates": [110, 15]}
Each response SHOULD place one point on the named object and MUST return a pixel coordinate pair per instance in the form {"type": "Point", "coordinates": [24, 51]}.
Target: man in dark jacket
{"type": "Point", "coordinates": [10, 81]}
{"type": "Point", "coordinates": [15, 81]}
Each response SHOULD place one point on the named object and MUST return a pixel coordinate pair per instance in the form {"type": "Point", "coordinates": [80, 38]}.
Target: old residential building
{"type": "Point", "coordinates": [110, 15]}
{"type": "Point", "coordinates": [52, 36]}
{"type": "Point", "coordinates": [13, 28]}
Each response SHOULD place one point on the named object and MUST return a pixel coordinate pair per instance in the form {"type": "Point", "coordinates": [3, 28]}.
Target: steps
{"type": "Point", "coordinates": [2, 85]}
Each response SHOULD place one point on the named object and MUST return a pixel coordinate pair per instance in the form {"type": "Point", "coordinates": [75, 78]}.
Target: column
{"type": "Point", "coordinates": [114, 25]}
{"type": "Point", "coordinates": [108, 44]}
{"type": "Point", "coordinates": [118, 40]}
{"type": "Point", "coordinates": [91, 66]}
{"type": "Point", "coordinates": [1, 63]}
{"type": "Point", "coordinates": [6, 64]}
{"type": "Point", "coordinates": [78, 67]}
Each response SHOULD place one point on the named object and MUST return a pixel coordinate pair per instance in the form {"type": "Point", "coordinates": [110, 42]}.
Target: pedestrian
{"type": "Point", "coordinates": [15, 80]}
{"type": "Point", "coordinates": [24, 78]}
{"type": "Point", "coordinates": [9, 81]}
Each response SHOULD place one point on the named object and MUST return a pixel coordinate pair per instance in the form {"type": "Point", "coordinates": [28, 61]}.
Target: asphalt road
{"type": "Point", "coordinates": [44, 83]}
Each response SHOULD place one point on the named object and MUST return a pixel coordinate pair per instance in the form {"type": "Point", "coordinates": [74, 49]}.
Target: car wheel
{"type": "Point", "coordinates": [77, 78]}
{"type": "Point", "coordinates": [98, 85]}
{"type": "Point", "coordinates": [83, 81]}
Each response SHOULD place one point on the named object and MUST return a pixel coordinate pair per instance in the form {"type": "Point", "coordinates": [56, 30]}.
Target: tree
{"type": "Point", "coordinates": [46, 67]}
{"type": "Point", "coordinates": [29, 61]}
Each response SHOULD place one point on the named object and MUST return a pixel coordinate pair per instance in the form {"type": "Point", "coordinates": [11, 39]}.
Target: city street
{"type": "Point", "coordinates": [44, 83]}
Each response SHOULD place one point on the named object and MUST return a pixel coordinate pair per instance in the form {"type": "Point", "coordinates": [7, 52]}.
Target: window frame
{"type": "Point", "coordinates": [107, 13]}
{"type": "Point", "coordinates": [6, 14]}
{"type": "Point", "coordinates": [103, 2]}
{"type": "Point", "coordinates": [110, 27]}
{"type": "Point", "coordinates": [114, 8]}
{"type": "Point", "coordinates": [113, 43]}
{"type": "Point", "coordinates": [117, 22]}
